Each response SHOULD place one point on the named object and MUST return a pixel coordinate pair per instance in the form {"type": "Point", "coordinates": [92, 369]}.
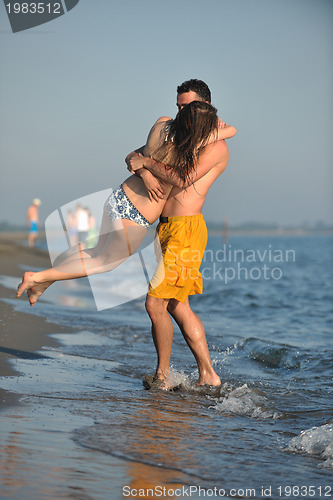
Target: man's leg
{"type": "Point", "coordinates": [32, 239]}
{"type": "Point", "coordinates": [162, 332]}
{"type": "Point", "coordinates": [194, 334]}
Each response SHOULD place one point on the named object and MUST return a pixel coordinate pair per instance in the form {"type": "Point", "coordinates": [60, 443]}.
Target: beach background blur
{"type": "Point", "coordinates": [78, 94]}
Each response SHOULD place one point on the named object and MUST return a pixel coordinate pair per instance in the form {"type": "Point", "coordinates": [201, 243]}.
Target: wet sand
{"type": "Point", "coordinates": [21, 335]}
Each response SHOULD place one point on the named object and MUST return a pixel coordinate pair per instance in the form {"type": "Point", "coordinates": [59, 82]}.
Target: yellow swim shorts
{"type": "Point", "coordinates": [183, 240]}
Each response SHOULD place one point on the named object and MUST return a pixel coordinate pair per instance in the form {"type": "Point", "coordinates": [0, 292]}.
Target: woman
{"type": "Point", "coordinates": [131, 208]}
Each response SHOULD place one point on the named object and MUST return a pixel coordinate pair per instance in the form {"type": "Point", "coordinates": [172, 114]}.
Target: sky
{"type": "Point", "coordinates": [80, 92]}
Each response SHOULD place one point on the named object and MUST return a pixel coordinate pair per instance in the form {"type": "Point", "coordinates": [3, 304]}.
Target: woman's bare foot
{"type": "Point", "coordinates": [26, 283]}
{"type": "Point", "coordinates": [36, 291]}
{"type": "Point", "coordinates": [33, 288]}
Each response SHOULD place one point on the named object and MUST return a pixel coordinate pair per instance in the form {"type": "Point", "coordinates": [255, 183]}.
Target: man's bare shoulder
{"type": "Point", "coordinates": [212, 161]}
{"type": "Point", "coordinates": [217, 150]}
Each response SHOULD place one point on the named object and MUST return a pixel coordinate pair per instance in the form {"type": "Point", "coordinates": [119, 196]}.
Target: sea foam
{"type": "Point", "coordinates": [246, 402]}
{"type": "Point", "coordinates": [317, 442]}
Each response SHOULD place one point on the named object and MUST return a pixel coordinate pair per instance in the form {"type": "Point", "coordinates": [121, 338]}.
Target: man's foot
{"type": "Point", "coordinates": [209, 379]}
{"type": "Point", "coordinates": [156, 382]}
{"type": "Point", "coordinates": [151, 382]}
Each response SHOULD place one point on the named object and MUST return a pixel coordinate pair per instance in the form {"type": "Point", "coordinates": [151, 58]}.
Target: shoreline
{"type": "Point", "coordinates": [275, 233]}
{"type": "Point", "coordinates": [14, 341]}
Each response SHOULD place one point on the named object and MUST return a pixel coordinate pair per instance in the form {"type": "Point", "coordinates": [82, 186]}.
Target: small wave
{"type": "Point", "coordinates": [273, 355]}
{"type": "Point", "coordinates": [179, 378]}
{"type": "Point", "coordinates": [246, 402]}
{"type": "Point", "coordinates": [317, 442]}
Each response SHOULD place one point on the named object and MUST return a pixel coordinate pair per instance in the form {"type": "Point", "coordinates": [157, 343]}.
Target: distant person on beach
{"type": "Point", "coordinates": [193, 144]}
{"type": "Point", "coordinates": [71, 226]}
{"type": "Point", "coordinates": [92, 236]}
{"type": "Point", "coordinates": [82, 223]}
{"type": "Point", "coordinates": [182, 235]}
{"type": "Point", "coordinates": [33, 222]}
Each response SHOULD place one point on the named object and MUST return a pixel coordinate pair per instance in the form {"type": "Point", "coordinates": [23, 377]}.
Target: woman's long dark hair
{"type": "Point", "coordinates": [187, 136]}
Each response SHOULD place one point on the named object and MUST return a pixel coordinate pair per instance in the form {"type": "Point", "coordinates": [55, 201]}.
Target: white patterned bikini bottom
{"type": "Point", "coordinates": [119, 206]}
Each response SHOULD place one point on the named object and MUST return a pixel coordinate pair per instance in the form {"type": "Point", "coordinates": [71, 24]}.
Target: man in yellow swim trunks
{"type": "Point", "coordinates": [183, 237]}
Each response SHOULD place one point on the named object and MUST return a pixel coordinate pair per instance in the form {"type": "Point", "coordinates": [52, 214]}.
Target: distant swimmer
{"type": "Point", "coordinates": [72, 228]}
{"type": "Point", "coordinates": [33, 221]}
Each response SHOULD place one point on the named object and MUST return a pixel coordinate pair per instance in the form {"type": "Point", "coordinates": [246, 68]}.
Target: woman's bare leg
{"type": "Point", "coordinates": [112, 249]}
{"type": "Point", "coordinates": [106, 228]}
{"type": "Point", "coordinates": [74, 253]}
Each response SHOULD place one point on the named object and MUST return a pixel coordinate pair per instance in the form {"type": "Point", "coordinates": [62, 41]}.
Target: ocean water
{"type": "Point", "coordinates": [267, 432]}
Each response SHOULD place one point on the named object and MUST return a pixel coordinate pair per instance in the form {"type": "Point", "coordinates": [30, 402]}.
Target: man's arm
{"type": "Point", "coordinates": [214, 153]}
{"type": "Point", "coordinates": [137, 161]}
{"type": "Point", "coordinates": [153, 185]}
{"type": "Point", "coordinates": [135, 158]}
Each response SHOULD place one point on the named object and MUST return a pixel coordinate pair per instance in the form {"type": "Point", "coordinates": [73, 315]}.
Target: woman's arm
{"type": "Point", "coordinates": [166, 173]}
{"type": "Point", "coordinates": [135, 160]}
{"type": "Point", "coordinates": [132, 155]}
{"type": "Point", "coordinates": [224, 131]}
{"type": "Point", "coordinates": [208, 159]}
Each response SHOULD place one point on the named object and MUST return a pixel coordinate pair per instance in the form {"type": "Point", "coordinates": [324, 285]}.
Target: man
{"type": "Point", "coordinates": [183, 237]}
{"type": "Point", "coordinates": [33, 221]}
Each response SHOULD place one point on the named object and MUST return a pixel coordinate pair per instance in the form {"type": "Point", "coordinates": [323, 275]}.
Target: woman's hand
{"type": "Point", "coordinates": [153, 186]}
{"type": "Point", "coordinates": [135, 162]}
{"type": "Point", "coordinates": [221, 124]}
{"type": "Point", "coordinates": [224, 131]}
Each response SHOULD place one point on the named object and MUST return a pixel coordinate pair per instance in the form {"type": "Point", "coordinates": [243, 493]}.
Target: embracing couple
{"type": "Point", "coordinates": [171, 177]}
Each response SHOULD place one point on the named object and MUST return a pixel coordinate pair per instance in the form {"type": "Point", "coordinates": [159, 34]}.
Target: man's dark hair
{"type": "Point", "coordinates": [197, 86]}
